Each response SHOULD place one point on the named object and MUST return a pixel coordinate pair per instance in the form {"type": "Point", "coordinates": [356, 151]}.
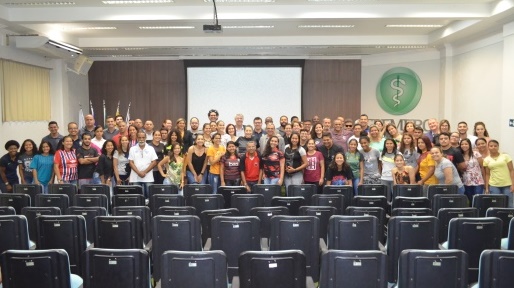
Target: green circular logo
{"type": "Point", "coordinates": [399, 91]}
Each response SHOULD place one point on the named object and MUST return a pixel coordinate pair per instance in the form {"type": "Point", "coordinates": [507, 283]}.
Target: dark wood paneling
{"type": "Point", "coordinates": [156, 89]}
{"type": "Point", "coordinates": [332, 88]}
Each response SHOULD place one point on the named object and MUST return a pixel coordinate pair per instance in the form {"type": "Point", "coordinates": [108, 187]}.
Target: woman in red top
{"type": "Point", "coordinates": [65, 162]}
{"type": "Point", "coordinates": [314, 173]}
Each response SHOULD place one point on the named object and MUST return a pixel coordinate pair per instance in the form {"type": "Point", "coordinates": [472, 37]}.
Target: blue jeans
{"type": "Point", "coordinates": [167, 181]}
{"type": "Point", "coordinates": [214, 181]}
{"type": "Point", "coordinates": [389, 190]}
{"type": "Point", "coordinates": [191, 178]}
{"type": "Point", "coordinates": [355, 183]}
{"type": "Point", "coordinates": [470, 191]}
{"type": "Point", "coordinates": [144, 185]}
{"type": "Point", "coordinates": [503, 190]}
{"type": "Point", "coordinates": [273, 181]}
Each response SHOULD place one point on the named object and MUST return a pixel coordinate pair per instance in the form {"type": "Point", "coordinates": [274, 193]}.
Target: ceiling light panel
{"type": "Point", "coordinates": [125, 2]}
{"type": "Point", "coordinates": [249, 27]}
{"type": "Point", "coordinates": [44, 3]}
{"type": "Point", "coordinates": [414, 26]}
{"type": "Point", "coordinates": [326, 26]}
{"type": "Point", "coordinates": [165, 27]}
{"type": "Point", "coordinates": [241, 1]}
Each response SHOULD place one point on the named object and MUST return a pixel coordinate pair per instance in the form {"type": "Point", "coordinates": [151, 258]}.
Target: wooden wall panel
{"type": "Point", "coordinates": [156, 89]}
{"type": "Point", "coordinates": [332, 88]}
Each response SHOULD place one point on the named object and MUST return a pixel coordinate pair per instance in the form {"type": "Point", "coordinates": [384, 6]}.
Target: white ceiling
{"type": "Point", "coordinates": [461, 20]}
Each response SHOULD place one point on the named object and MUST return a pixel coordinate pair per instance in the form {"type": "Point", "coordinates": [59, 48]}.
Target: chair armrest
{"type": "Point", "coordinates": [208, 245]}
{"type": "Point", "coordinates": [322, 245]}
{"type": "Point", "coordinates": [265, 244]}
{"type": "Point", "coordinates": [235, 282]}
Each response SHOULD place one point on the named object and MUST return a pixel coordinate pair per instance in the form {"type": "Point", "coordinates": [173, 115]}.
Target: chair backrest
{"type": "Point", "coordinates": [194, 269]}
{"type": "Point", "coordinates": [114, 268]}
{"type": "Point", "coordinates": [353, 269]}
{"type": "Point", "coordinates": [265, 214]}
{"type": "Point", "coordinates": [272, 269]}
{"type": "Point", "coordinates": [15, 200]}
{"type": "Point", "coordinates": [268, 191]}
{"type": "Point", "coordinates": [176, 210]}
{"type": "Point", "coordinates": [410, 202]}
{"type": "Point", "coordinates": [128, 200]}
{"type": "Point", "coordinates": [159, 200]}
{"type": "Point", "coordinates": [7, 210]}
{"type": "Point", "coordinates": [433, 268]}
{"type": "Point", "coordinates": [97, 189]}
{"type": "Point", "coordinates": [496, 268]}
{"type": "Point", "coordinates": [291, 203]}
{"type": "Point", "coordinates": [181, 233]}
{"type": "Point", "coordinates": [162, 189]}
{"type": "Point", "coordinates": [304, 190]}
{"type": "Point", "coordinates": [407, 190]}
{"type": "Point", "coordinates": [206, 218]}
{"type": "Point", "coordinates": [479, 234]}
{"type": "Point", "coordinates": [228, 191]}
{"type": "Point", "coordinates": [203, 202]}
{"type": "Point", "coordinates": [245, 202]}
{"type": "Point", "coordinates": [35, 268]}
{"type": "Point", "coordinates": [435, 189]}
{"type": "Point", "coordinates": [119, 232]}
{"type": "Point", "coordinates": [68, 189]}
{"type": "Point", "coordinates": [353, 232]}
{"type": "Point", "coordinates": [371, 211]}
{"type": "Point", "coordinates": [335, 200]}
{"type": "Point", "coordinates": [127, 189]}
{"type": "Point", "coordinates": [510, 237]}
{"type": "Point", "coordinates": [31, 213]}
{"type": "Point", "coordinates": [345, 190]}
{"type": "Point", "coordinates": [141, 211]}
{"type": "Point", "coordinates": [192, 189]}
{"type": "Point", "coordinates": [30, 189]}
{"type": "Point", "coordinates": [89, 213]}
{"type": "Point", "coordinates": [447, 214]}
{"type": "Point", "coordinates": [411, 212]}
{"type": "Point", "coordinates": [506, 214]}
{"type": "Point", "coordinates": [370, 201]}
{"type": "Point", "coordinates": [91, 200]}
{"type": "Point", "coordinates": [66, 232]}
{"type": "Point", "coordinates": [234, 235]}
{"type": "Point", "coordinates": [323, 213]}
{"type": "Point", "coordinates": [440, 201]}
{"type": "Point", "coordinates": [298, 232]}
{"type": "Point", "coordinates": [15, 233]}
{"type": "Point", "coordinates": [485, 201]}
{"type": "Point", "coordinates": [372, 190]}
{"type": "Point", "coordinates": [407, 232]}
{"type": "Point", "coordinates": [60, 201]}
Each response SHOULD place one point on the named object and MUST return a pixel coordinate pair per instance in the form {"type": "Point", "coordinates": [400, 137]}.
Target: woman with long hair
{"type": "Point", "coordinates": [408, 128]}
{"type": "Point", "coordinates": [387, 158]}
{"type": "Point", "coordinates": [445, 171]}
{"type": "Point", "coordinates": [132, 135]}
{"type": "Point", "coordinates": [230, 130]}
{"type": "Point", "coordinates": [444, 126]}
{"type": "Point", "coordinates": [229, 168]}
{"type": "Point", "coordinates": [376, 138]}
{"type": "Point", "coordinates": [159, 150]}
{"type": "Point", "coordinates": [196, 160]}
{"type": "Point", "coordinates": [409, 150]}
{"type": "Point", "coordinates": [426, 164]}
{"type": "Point", "coordinates": [473, 177]}
{"type": "Point", "coordinates": [314, 173]}
{"type": "Point", "coordinates": [66, 163]}
{"type": "Point", "coordinates": [120, 161]}
{"type": "Point", "coordinates": [214, 154]}
{"type": "Point", "coordinates": [391, 132]}
{"type": "Point", "coordinates": [185, 135]}
{"type": "Point", "coordinates": [355, 159]}
{"type": "Point", "coordinates": [380, 126]}
{"type": "Point", "coordinates": [174, 167]}
{"type": "Point", "coordinates": [98, 140]}
{"type": "Point", "coordinates": [317, 134]}
{"type": "Point", "coordinates": [403, 174]}
{"type": "Point", "coordinates": [174, 136]}
{"type": "Point", "coordinates": [481, 146]}
{"type": "Point", "coordinates": [339, 172]}
{"type": "Point", "coordinates": [372, 164]}
{"type": "Point", "coordinates": [105, 167]}
{"type": "Point", "coordinates": [480, 131]}
{"type": "Point", "coordinates": [206, 129]}
{"type": "Point", "coordinates": [273, 162]}
{"type": "Point", "coordinates": [296, 161]}
{"type": "Point", "coordinates": [499, 173]}
{"type": "Point", "coordinates": [27, 152]}
{"type": "Point", "coordinates": [42, 165]}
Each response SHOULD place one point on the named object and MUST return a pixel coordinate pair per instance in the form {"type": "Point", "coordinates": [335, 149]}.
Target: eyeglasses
{"type": "Point", "coordinates": [349, 126]}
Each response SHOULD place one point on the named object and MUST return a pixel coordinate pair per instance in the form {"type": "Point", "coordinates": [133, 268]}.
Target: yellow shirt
{"type": "Point", "coordinates": [216, 168]}
{"type": "Point", "coordinates": [499, 174]}
{"type": "Point", "coordinates": [424, 166]}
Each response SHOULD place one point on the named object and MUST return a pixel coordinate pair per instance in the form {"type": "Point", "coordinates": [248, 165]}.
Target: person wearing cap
{"type": "Point", "coordinates": [9, 166]}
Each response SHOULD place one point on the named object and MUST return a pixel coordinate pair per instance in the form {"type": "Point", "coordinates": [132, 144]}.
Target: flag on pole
{"type": "Point", "coordinates": [118, 109]}
{"type": "Point", "coordinates": [92, 111]}
{"type": "Point", "coordinates": [81, 121]}
{"type": "Point", "coordinates": [127, 118]}
{"type": "Point", "coordinates": [105, 115]}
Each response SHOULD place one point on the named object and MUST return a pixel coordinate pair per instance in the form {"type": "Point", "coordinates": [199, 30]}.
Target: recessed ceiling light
{"type": "Point", "coordinates": [326, 26]}
{"type": "Point", "coordinates": [45, 3]}
{"type": "Point", "coordinates": [414, 26]}
{"type": "Point", "coordinates": [241, 1]}
{"type": "Point", "coordinates": [341, 0]}
{"type": "Point", "coordinates": [249, 27]}
{"type": "Point", "coordinates": [90, 28]}
{"type": "Point", "coordinates": [119, 2]}
{"type": "Point", "coordinates": [102, 49]}
{"type": "Point", "coordinates": [134, 48]}
{"type": "Point", "coordinates": [165, 27]}
{"type": "Point", "coordinates": [406, 46]}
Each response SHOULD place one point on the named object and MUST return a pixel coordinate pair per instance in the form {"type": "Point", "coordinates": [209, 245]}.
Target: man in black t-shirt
{"type": "Point", "coordinates": [87, 157]}
{"type": "Point", "coordinates": [451, 153]}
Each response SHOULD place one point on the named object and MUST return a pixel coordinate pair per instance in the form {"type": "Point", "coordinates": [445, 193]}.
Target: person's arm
{"type": "Point", "coordinates": [134, 168]}
{"type": "Point", "coordinates": [511, 171]}
{"type": "Point", "coordinates": [34, 174]}
{"type": "Point", "coordinates": [304, 164]}
{"type": "Point", "coordinates": [448, 175]}
{"type": "Point", "coordinates": [482, 168]}
{"type": "Point", "coordinates": [282, 170]}
{"type": "Point", "coordinates": [393, 172]}
{"type": "Point", "coordinates": [361, 171]}
{"type": "Point", "coordinates": [163, 162]}
{"type": "Point", "coordinates": [189, 159]}
{"type": "Point", "coordinates": [100, 170]}
{"type": "Point", "coordinates": [22, 176]}
{"type": "Point", "coordinates": [222, 173]}
{"type": "Point", "coordinates": [322, 168]}
{"type": "Point", "coordinates": [486, 180]}
{"type": "Point", "coordinates": [57, 173]}
{"type": "Point", "coordinates": [150, 167]}
{"type": "Point", "coordinates": [412, 175]}
{"type": "Point", "coordinates": [430, 172]}
{"type": "Point", "coordinates": [4, 178]}
{"type": "Point", "coordinates": [116, 173]}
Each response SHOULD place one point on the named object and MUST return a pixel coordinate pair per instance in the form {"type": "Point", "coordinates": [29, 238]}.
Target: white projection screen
{"type": "Point", "coordinates": [251, 91]}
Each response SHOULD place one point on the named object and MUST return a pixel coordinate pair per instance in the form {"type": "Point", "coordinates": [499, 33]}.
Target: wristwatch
{"type": "Point", "coordinates": [6, 183]}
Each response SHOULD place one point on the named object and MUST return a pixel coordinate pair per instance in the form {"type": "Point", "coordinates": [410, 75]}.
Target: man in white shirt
{"type": "Point", "coordinates": [462, 127]}
{"type": "Point", "coordinates": [240, 128]}
{"type": "Point", "coordinates": [142, 159]}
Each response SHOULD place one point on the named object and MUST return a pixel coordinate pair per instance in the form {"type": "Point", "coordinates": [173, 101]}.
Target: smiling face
{"type": "Point", "coordinates": [436, 153]}
{"type": "Point", "coordinates": [339, 159]}
{"type": "Point", "coordinates": [421, 145]}
{"type": "Point", "coordinates": [311, 145]}
{"type": "Point", "coordinates": [231, 148]}
{"type": "Point", "coordinates": [399, 161]}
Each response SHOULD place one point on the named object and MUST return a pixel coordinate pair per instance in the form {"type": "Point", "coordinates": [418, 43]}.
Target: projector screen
{"type": "Point", "coordinates": [251, 91]}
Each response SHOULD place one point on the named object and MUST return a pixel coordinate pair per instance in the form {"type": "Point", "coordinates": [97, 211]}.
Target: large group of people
{"type": "Point", "coordinates": [316, 151]}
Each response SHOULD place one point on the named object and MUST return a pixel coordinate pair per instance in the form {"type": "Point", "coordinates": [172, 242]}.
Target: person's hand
{"type": "Point", "coordinates": [320, 182]}
{"type": "Point", "coordinates": [8, 187]}
{"type": "Point", "coordinates": [118, 181]}
{"type": "Point", "coordinates": [199, 178]}
{"type": "Point", "coordinates": [280, 181]}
